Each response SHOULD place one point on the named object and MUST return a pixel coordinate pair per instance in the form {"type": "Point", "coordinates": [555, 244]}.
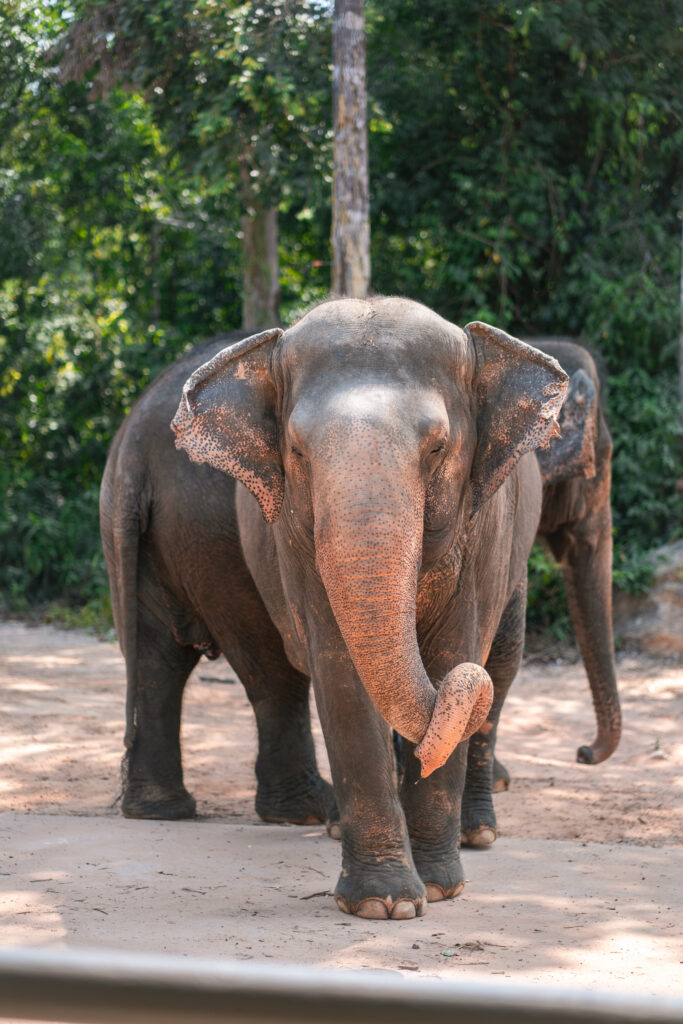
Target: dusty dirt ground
{"type": "Point", "coordinates": [583, 886]}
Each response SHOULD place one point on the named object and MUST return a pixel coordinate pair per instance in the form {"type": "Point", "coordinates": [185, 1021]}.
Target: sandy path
{"type": "Point", "coordinates": [584, 885]}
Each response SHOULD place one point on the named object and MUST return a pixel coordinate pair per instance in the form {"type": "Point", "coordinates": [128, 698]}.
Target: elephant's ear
{"type": "Point", "coordinates": [519, 393]}
{"type": "Point", "coordinates": [573, 452]}
{"type": "Point", "coordinates": [227, 418]}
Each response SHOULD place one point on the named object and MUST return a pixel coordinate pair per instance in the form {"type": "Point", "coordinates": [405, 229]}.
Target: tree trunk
{"type": "Point", "coordinates": [350, 202]}
{"type": "Point", "coordinates": [680, 341]}
{"type": "Point", "coordinates": [261, 268]}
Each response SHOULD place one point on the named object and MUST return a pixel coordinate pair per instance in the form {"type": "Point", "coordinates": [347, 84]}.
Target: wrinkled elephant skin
{"type": "Point", "coordinates": [389, 505]}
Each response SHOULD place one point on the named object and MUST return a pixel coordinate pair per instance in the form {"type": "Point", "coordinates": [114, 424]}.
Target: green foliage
{"type": "Point", "coordinates": [646, 470]}
{"type": "Point", "coordinates": [240, 90]}
{"type": "Point", "coordinates": [113, 266]}
{"type": "Point", "coordinates": [547, 609]}
{"type": "Point", "coordinates": [95, 615]}
{"type": "Point", "coordinates": [542, 192]}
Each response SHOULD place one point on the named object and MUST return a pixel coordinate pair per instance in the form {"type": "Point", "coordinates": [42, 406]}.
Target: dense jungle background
{"type": "Point", "coordinates": [525, 169]}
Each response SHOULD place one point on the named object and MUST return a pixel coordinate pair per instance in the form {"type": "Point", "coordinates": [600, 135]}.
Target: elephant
{"type": "Point", "coordinates": [389, 498]}
{"type": "Point", "coordinates": [575, 470]}
{"type": "Point", "coordinates": [576, 523]}
{"type": "Point", "coordinates": [180, 588]}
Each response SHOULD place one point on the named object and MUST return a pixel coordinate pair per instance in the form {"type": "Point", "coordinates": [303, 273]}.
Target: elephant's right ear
{"type": "Point", "coordinates": [227, 418]}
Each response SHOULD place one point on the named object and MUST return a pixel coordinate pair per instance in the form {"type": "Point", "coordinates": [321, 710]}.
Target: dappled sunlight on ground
{"type": "Point", "coordinates": [606, 917]}
{"type": "Point", "coordinates": [62, 699]}
{"type": "Point", "coordinates": [582, 885]}
{"type": "Point", "coordinates": [634, 797]}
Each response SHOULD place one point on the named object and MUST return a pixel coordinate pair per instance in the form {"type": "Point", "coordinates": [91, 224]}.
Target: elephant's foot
{"type": "Point", "coordinates": [444, 878]}
{"type": "Point", "coordinates": [296, 802]}
{"type": "Point", "coordinates": [478, 824]}
{"type": "Point", "coordinates": [381, 895]}
{"type": "Point", "coordinates": [150, 800]}
{"type": "Point", "coordinates": [383, 909]}
{"type": "Point", "coordinates": [480, 837]}
{"type": "Point", "coordinates": [501, 777]}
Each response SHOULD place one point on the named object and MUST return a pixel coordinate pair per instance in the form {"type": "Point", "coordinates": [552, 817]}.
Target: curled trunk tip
{"type": "Point", "coordinates": [462, 703]}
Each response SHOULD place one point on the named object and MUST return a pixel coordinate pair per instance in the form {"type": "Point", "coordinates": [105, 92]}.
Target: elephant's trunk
{"type": "Point", "coordinates": [587, 569]}
{"type": "Point", "coordinates": [368, 556]}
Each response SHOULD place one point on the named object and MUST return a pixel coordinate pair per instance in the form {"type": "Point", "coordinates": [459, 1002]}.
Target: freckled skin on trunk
{"type": "Point", "coordinates": [367, 553]}
{"type": "Point", "coordinates": [363, 643]}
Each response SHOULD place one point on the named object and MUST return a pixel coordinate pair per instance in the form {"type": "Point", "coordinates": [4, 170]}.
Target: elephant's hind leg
{"type": "Point", "coordinates": [152, 769]}
{"type": "Point", "coordinates": [290, 788]}
{"type": "Point", "coordinates": [479, 826]}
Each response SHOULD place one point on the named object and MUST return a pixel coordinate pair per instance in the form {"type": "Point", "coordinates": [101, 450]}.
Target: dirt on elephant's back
{"type": "Point", "coordinates": [62, 698]}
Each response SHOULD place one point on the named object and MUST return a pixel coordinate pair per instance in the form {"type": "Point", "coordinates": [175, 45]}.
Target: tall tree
{"type": "Point", "coordinates": [237, 89]}
{"type": "Point", "coordinates": [350, 194]}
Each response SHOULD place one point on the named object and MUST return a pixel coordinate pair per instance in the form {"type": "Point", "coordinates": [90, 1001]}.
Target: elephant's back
{"type": "Point", "coordinates": [183, 513]}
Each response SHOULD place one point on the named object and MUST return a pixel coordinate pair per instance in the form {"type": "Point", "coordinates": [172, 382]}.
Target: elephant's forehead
{"type": "Point", "coordinates": [376, 331]}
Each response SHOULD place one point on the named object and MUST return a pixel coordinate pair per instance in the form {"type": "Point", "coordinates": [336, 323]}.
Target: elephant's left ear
{"type": "Point", "coordinates": [227, 417]}
{"type": "Point", "coordinates": [519, 394]}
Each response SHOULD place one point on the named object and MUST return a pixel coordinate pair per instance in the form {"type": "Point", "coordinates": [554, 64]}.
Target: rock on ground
{"type": "Point", "coordinates": [653, 622]}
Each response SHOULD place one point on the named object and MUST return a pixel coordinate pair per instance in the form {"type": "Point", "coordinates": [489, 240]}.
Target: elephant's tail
{"type": "Point", "coordinates": [123, 521]}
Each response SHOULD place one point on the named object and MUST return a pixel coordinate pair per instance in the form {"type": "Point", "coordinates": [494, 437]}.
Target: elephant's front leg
{"type": "Point", "coordinates": [378, 878]}
{"type": "Point", "coordinates": [479, 827]}
{"type": "Point", "coordinates": [432, 808]}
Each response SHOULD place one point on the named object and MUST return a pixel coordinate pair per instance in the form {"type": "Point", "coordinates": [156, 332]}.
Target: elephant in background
{"type": "Point", "coordinates": [389, 504]}
{"type": "Point", "coordinates": [576, 522]}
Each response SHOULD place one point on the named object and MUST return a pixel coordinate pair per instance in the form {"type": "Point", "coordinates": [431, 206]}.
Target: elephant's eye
{"type": "Point", "coordinates": [295, 451]}
{"type": "Point", "coordinates": [439, 448]}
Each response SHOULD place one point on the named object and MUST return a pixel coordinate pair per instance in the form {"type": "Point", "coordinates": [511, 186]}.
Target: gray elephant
{"type": "Point", "coordinates": [389, 507]}
{"type": "Point", "coordinates": [180, 588]}
{"type": "Point", "coordinates": [576, 522]}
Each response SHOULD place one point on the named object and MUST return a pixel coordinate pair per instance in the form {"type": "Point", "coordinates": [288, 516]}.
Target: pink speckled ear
{"type": "Point", "coordinates": [226, 417]}
{"type": "Point", "coordinates": [519, 393]}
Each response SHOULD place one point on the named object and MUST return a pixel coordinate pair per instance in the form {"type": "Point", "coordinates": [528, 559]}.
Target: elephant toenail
{"type": "Point", "coordinates": [481, 838]}
{"type": "Point", "coordinates": [342, 904]}
{"type": "Point", "coordinates": [374, 909]}
{"type": "Point", "coordinates": [435, 892]}
{"type": "Point", "coordinates": [403, 909]}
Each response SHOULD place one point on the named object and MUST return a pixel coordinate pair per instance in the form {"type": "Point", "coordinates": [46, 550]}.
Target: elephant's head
{"type": "Point", "coordinates": [572, 454]}
{"type": "Point", "coordinates": [377, 430]}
